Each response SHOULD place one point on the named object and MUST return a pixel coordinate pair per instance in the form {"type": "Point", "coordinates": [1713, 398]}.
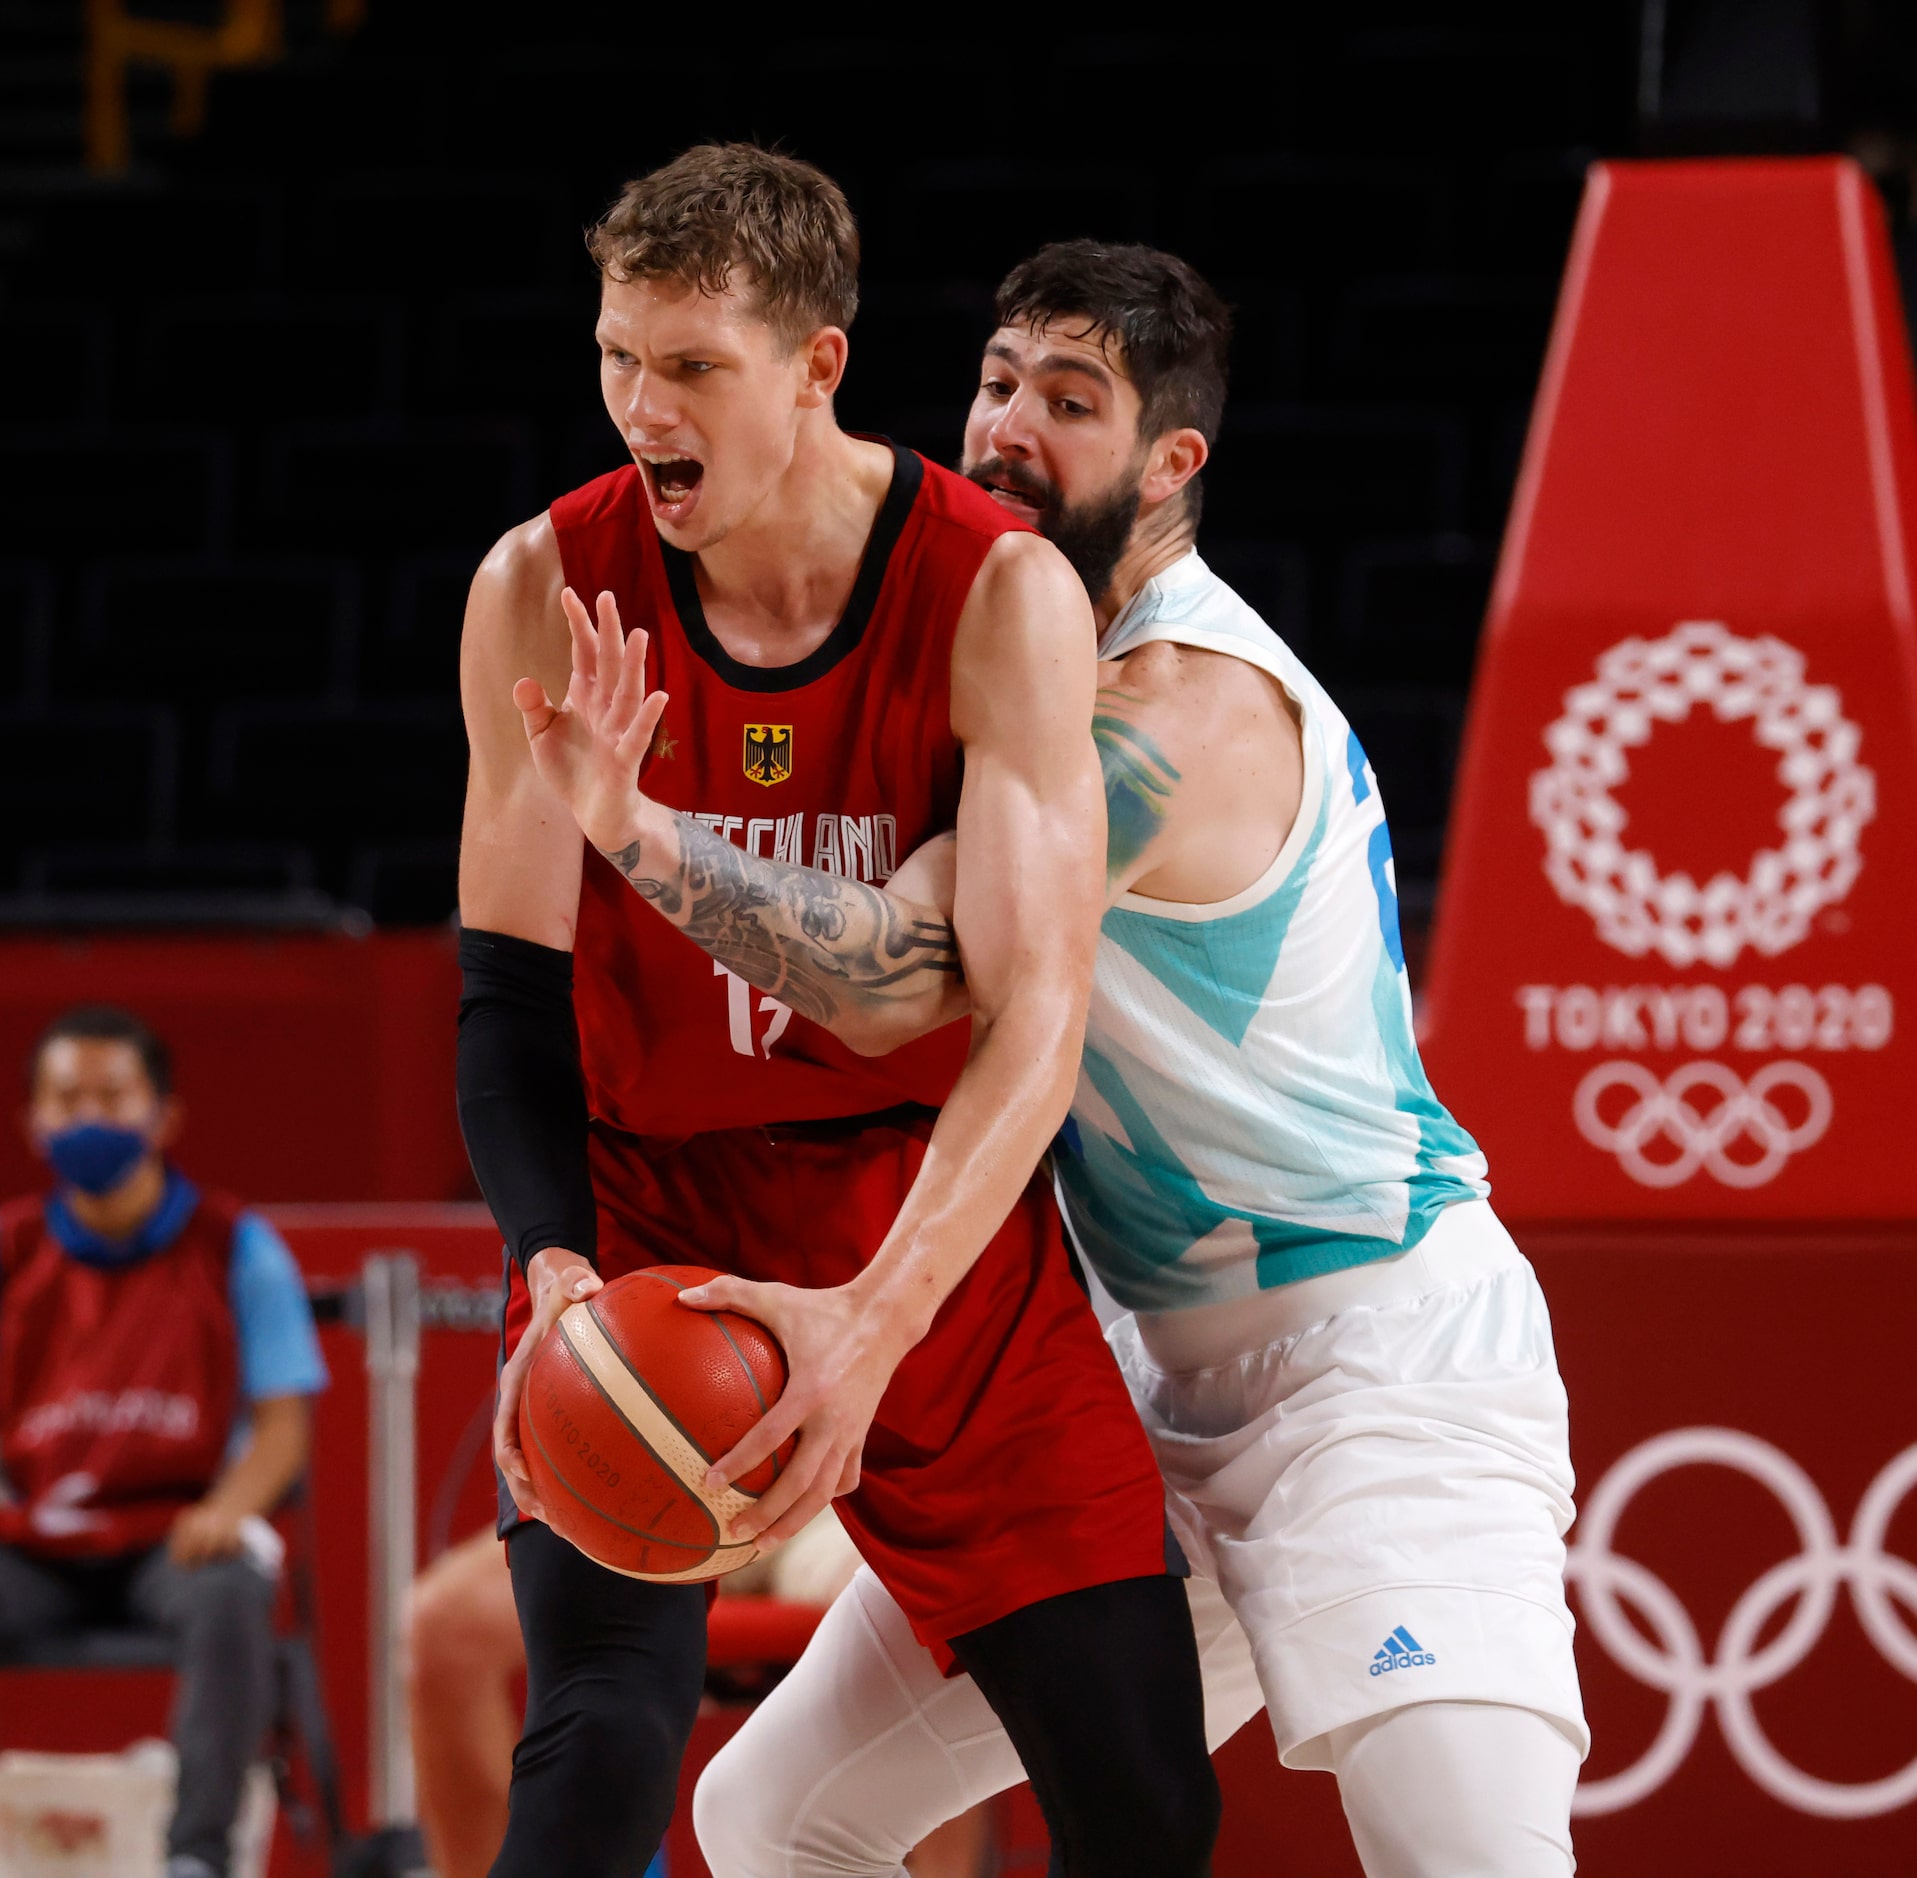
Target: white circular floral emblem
{"type": "Point", "coordinates": [1641, 683]}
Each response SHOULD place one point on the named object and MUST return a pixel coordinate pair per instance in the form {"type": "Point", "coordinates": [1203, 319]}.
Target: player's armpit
{"type": "Point", "coordinates": [520, 853]}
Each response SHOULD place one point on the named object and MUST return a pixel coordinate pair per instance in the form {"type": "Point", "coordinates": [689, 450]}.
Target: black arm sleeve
{"type": "Point", "coordinates": [522, 1100]}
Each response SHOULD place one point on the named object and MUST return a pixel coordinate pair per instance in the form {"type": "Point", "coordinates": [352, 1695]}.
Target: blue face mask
{"type": "Point", "coordinates": [94, 1156]}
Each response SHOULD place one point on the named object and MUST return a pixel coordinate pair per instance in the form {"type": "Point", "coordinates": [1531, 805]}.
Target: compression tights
{"type": "Point", "coordinates": [614, 1668]}
{"type": "Point", "coordinates": [1099, 1691]}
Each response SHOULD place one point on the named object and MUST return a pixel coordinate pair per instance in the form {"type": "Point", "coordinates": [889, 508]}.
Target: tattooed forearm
{"type": "Point", "coordinates": [1138, 784]}
{"type": "Point", "coordinates": [831, 948]}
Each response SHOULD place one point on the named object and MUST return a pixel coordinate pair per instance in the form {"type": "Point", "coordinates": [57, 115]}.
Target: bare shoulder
{"type": "Point", "coordinates": [515, 627]}
{"type": "Point", "coordinates": [1023, 570]}
{"type": "Point", "coordinates": [1191, 702]}
{"type": "Point", "coordinates": [518, 582]}
{"type": "Point", "coordinates": [1025, 646]}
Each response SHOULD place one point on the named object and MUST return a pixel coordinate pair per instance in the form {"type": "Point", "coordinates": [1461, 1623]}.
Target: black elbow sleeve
{"type": "Point", "coordinates": [522, 1099]}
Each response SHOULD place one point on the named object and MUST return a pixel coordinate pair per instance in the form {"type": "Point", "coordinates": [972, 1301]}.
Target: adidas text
{"type": "Point", "coordinates": [1401, 1650]}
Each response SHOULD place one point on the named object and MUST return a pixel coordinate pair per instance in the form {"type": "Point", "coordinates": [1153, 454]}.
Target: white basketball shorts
{"type": "Point", "coordinates": [1378, 1486]}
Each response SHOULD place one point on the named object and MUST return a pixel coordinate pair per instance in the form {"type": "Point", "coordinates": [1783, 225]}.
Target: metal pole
{"type": "Point", "coordinates": [392, 1374]}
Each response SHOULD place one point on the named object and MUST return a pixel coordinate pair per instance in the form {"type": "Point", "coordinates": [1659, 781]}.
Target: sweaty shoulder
{"type": "Point", "coordinates": [515, 628]}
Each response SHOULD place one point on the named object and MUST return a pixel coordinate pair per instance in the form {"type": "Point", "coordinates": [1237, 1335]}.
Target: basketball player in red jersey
{"type": "Point", "coordinates": [856, 650]}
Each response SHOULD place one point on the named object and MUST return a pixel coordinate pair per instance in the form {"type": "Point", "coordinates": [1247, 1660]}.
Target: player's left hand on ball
{"type": "Point", "coordinates": [839, 1360]}
{"type": "Point", "coordinates": [588, 749]}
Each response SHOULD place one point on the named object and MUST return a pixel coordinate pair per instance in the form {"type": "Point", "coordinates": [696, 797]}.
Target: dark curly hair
{"type": "Point", "coordinates": [1170, 330]}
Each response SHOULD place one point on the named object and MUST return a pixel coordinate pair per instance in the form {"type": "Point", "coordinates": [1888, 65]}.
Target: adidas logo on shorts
{"type": "Point", "coordinates": [1401, 1651]}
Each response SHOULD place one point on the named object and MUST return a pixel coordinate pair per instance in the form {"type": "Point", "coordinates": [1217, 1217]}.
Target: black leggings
{"type": "Point", "coordinates": [1100, 1693]}
{"type": "Point", "coordinates": [614, 1668]}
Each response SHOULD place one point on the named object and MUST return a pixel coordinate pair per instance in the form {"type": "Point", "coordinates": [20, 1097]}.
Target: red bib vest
{"type": "Point", "coordinates": [844, 761]}
{"type": "Point", "coordinates": [118, 1388]}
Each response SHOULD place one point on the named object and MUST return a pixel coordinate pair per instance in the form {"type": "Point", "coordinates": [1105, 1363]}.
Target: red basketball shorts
{"type": "Point", "coordinates": [1006, 1463]}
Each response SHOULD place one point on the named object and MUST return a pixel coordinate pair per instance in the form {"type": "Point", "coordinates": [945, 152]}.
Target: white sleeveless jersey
{"type": "Point", "coordinates": [1251, 1108]}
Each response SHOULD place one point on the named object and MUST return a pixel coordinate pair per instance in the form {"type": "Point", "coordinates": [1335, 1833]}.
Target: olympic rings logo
{"type": "Point", "coordinates": [1640, 684]}
{"type": "Point", "coordinates": [1703, 1134]}
{"type": "Point", "coordinates": [1878, 1582]}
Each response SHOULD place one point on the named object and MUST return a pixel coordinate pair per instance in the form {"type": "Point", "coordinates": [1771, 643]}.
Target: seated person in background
{"type": "Point", "coordinates": [157, 1354]}
{"type": "Point", "coordinates": [464, 1660]}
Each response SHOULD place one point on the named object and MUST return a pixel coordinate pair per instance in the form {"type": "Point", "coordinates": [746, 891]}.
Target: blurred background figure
{"type": "Point", "coordinates": [465, 1665]}
{"type": "Point", "coordinates": [157, 1356]}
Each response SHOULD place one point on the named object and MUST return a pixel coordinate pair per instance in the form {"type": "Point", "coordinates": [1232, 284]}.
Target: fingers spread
{"type": "Point", "coordinates": [636, 739]}
{"type": "Point", "coordinates": [585, 642]}
{"type": "Point", "coordinates": [535, 707]}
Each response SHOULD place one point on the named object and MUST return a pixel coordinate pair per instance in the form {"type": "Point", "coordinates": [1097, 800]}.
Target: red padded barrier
{"type": "Point", "coordinates": [1671, 976]}
{"type": "Point", "coordinates": [311, 1068]}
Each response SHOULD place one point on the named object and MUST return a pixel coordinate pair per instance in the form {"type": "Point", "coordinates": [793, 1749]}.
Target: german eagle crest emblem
{"type": "Point", "coordinates": [768, 753]}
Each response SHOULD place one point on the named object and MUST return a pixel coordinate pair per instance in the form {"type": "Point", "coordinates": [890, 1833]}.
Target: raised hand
{"type": "Point", "coordinates": [588, 749]}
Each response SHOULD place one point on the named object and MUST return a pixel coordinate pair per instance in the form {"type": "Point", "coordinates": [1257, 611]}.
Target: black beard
{"type": "Point", "coordinates": [1092, 536]}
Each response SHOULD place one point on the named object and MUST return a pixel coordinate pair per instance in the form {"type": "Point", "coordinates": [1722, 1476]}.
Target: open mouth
{"type": "Point", "coordinates": [1027, 500]}
{"type": "Point", "coordinates": [671, 483]}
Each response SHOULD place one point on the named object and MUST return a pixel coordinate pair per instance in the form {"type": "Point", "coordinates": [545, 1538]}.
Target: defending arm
{"type": "Point", "coordinates": [522, 1100]}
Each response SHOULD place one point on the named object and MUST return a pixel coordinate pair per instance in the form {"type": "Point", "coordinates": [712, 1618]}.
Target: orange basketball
{"type": "Point", "coordinates": [628, 1401]}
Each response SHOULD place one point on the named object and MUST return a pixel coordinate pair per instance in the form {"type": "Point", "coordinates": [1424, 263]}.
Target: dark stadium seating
{"type": "Point", "coordinates": [272, 395]}
{"type": "Point", "coordinates": [95, 773]}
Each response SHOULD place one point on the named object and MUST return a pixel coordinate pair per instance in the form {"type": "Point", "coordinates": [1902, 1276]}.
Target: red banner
{"type": "Point", "coordinates": [1671, 974]}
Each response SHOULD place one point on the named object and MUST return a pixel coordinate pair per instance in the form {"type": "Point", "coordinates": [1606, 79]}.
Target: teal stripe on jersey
{"type": "Point", "coordinates": [1138, 1210]}
{"type": "Point", "coordinates": [1218, 969]}
{"type": "Point", "coordinates": [1251, 1108]}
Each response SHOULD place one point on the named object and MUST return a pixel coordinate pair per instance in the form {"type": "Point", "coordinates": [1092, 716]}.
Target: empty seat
{"type": "Point", "coordinates": [910, 340]}
{"type": "Point", "coordinates": [219, 234]}
{"type": "Point", "coordinates": [327, 774]}
{"type": "Point", "coordinates": [1292, 469]}
{"type": "Point", "coordinates": [56, 363]}
{"type": "Point", "coordinates": [1271, 576]}
{"type": "Point", "coordinates": [89, 774]}
{"type": "Point", "coordinates": [1444, 335]}
{"type": "Point", "coordinates": [397, 229]}
{"type": "Point", "coordinates": [1411, 737]}
{"type": "Point", "coordinates": [1268, 352]}
{"type": "Point", "coordinates": [224, 359]}
{"type": "Point", "coordinates": [1291, 218]}
{"type": "Point", "coordinates": [406, 883]}
{"type": "Point", "coordinates": [188, 632]}
{"type": "Point", "coordinates": [514, 351]}
{"type": "Point", "coordinates": [1409, 611]}
{"type": "Point", "coordinates": [400, 487]}
{"type": "Point", "coordinates": [26, 628]}
{"type": "Point", "coordinates": [95, 868]}
{"type": "Point", "coordinates": [130, 492]}
{"type": "Point", "coordinates": [975, 218]}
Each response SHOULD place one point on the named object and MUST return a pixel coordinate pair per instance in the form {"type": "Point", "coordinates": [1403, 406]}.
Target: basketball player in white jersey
{"type": "Point", "coordinates": [1343, 1361]}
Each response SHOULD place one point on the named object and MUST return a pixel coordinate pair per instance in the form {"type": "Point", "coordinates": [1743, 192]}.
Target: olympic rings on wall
{"type": "Point", "coordinates": [1702, 1135]}
{"type": "Point", "coordinates": [1641, 683]}
{"type": "Point", "coordinates": [1878, 1582]}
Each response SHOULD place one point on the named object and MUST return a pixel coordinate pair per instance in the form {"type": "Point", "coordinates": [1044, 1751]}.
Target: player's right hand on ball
{"type": "Point", "coordinates": [556, 1279]}
{"type": "Point", "coordinates": [588, 749]}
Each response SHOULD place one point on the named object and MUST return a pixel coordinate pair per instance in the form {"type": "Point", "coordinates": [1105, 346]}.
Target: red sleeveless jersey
{"type": "Point", "coordinates": [118, 1389]}
{"type": "Point", "coordinates": [844, 761]}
